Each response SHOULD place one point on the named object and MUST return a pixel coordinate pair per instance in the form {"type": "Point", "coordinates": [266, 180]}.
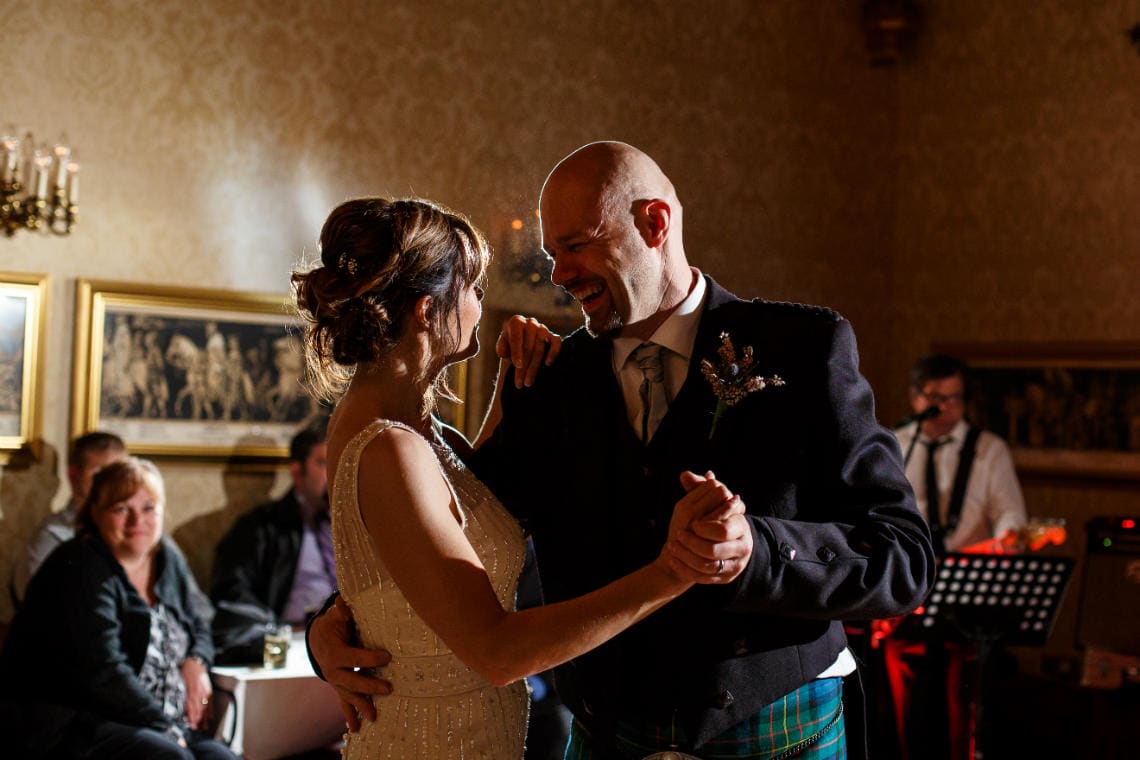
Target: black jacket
{"type": "Point", "coordinates": [254, 566]}
{"type": "Point", "coordinates": [835, 530]}
{"type": "Point", "coordinates": [75, 649]}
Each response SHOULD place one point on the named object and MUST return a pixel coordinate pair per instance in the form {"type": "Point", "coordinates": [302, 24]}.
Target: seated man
{"type": "Point", "coordinates": [89, 453]}
{"type": "Point", "coordinates": [275, 564]}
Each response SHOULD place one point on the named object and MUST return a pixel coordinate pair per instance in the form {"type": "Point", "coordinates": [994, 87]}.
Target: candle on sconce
{"type": "Point", "coordinates": [73, 182]}
{"type": "Point", "coordinates": [11, 157]}
{"type": "Point", "coordinates": [43, 169]}
{"type": "Point", "coordinates": [62, 154]}
{"type": "Point", "coordinates": [26, 164]}
{"type": "Point", "coordinates": [515, 239]}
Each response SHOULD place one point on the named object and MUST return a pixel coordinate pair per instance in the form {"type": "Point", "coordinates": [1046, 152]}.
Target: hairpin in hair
{"type": "Point", "coordinates": [346, 264]}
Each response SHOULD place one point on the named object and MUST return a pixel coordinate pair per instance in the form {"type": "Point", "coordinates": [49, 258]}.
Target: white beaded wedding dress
{"type": "Point", "coordinates": [439, 708]}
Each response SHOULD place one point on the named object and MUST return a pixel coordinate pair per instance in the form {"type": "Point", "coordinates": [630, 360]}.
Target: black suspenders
{"type": "Point", "coordinates": [961, 477]}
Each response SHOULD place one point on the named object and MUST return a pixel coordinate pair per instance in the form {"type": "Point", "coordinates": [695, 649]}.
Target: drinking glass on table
{"type": "Point", "coordinates": [276, 649]}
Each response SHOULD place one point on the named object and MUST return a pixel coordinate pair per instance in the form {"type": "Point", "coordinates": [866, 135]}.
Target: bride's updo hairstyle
{"type": "Point", "coordinates": [377, 258]}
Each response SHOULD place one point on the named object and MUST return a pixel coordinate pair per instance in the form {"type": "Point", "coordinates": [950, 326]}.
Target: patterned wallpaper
{"type": "Point", "coordinates": [982, 191]}
{"type": "Point", "coordinates": [1018, 141]}
{"type": "Point", "coordinates": [216, 136]}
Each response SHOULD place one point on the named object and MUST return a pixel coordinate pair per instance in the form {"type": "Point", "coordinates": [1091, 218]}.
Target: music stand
{"type": "Point", "coordinates": [985, 599]}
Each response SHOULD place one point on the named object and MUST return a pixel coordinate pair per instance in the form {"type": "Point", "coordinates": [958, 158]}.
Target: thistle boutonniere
{"type": "Point", "coordinates": [732, 379]}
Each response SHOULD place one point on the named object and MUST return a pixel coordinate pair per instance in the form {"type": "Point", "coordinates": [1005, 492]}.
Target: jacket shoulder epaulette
{"type": "Point", "coordinates": [804, 309]}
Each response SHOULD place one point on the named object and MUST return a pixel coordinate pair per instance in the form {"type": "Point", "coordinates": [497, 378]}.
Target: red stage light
{"type": "Point", "coordinates": [1128, 524]}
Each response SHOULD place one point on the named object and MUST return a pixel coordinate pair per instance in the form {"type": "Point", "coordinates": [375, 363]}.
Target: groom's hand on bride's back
{"type": "Point", "coordinates": [345, 666]}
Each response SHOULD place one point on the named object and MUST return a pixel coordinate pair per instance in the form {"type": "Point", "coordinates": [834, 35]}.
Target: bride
{"type": "Point", "coordinates": [427, 559]}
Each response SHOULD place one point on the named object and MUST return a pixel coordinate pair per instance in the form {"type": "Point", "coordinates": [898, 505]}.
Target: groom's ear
{"type": "Point", "coordinates": [653, 221]}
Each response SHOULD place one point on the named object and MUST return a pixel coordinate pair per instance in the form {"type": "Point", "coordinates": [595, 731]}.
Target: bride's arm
{"type": "Point", "coordinates": [527, 345]}
{"type": "Point", "coordinates": [407, 509]}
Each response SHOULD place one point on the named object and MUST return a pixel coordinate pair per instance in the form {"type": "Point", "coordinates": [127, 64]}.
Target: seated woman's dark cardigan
{"type": "Point", "coordinates": [75, 649]}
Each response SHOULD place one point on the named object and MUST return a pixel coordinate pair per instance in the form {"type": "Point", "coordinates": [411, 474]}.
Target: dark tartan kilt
{"type": "Point", "coordinates": [806, 724]}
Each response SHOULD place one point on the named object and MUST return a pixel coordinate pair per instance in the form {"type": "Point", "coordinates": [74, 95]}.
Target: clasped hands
{"type": "Point", "coordinates": [710, 540]}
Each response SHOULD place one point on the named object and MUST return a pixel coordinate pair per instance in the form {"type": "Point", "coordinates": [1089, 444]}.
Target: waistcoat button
{"type": "Point", "coordinates": [724, 700]}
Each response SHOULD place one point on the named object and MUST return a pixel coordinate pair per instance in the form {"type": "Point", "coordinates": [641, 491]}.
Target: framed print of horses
{"type": "Point", "coordinates": [23, 300]}
{"type": "Point", "coordinates": [189, 372]}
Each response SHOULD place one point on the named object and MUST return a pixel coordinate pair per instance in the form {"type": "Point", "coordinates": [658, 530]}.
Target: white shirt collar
{"type": "Point", "coordinates": [677, 333]}
{"type": "Point", "coordinates": [956, 434]}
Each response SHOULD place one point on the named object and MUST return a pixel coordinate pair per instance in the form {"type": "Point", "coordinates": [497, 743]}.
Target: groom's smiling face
{"type": "Point", "coordinates": [599, 257]}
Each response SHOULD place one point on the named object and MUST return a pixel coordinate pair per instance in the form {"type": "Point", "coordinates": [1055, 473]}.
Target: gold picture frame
{"type": "Point", "coordinates": [23, 319]}
{"type": "Point", "coordinates": [1066, 408]}
{"type": "Point", "coordinates": [187, 372]}
{"type": "Point", "coordinates": [449, 412]}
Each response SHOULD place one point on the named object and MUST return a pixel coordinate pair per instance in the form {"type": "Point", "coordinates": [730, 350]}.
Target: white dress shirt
{"type": "Point", "coordinates": [676, 336]}
{"type": "Point", "coordinates": [993, 503]}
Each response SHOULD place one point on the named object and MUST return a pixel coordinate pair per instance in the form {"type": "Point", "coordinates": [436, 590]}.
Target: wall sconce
{"type": "Point", "coordinates": [525, 260]}
{"type": "Point", "coordinates": [890, 27]}
{"type": "Point", "coordinates": [27, 173]}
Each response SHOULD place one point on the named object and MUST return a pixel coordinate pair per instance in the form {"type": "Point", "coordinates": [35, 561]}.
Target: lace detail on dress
{"type": "Point", "coordinates": [439, 708]}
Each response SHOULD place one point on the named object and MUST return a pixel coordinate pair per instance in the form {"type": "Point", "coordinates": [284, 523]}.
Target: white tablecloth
{"type": "Point", "coordinates": [280, 712]}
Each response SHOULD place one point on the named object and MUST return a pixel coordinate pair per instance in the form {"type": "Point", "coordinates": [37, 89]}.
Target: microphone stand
{"type": "Point", "coordinates": [918, 419]}
{"type": "Point", "coordinates": [913, 441]}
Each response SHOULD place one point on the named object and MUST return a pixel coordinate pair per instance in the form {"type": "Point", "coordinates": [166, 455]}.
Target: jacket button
{"type": "Point", "coordinates": [787, 552]}
{"type": "Point", "coordinates": [825, 553]}
{"type": "Point", "coordinates": [724, 700]}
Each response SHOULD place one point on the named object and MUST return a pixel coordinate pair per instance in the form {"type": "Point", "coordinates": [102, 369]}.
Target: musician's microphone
{"type": "Point", "coordinates": [928, 413]}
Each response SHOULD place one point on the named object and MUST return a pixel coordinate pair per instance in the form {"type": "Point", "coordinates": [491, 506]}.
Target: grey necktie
{"type": "Point", "coordinates": [647, 356]}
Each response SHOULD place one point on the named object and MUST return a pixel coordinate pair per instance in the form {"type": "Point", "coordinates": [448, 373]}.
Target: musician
{"type": "Point", "coordinates": [966, 487]}
{"type": "Point", "coordinates": [962, 476]}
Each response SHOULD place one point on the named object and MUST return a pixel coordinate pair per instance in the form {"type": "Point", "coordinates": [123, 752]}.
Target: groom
{"type": "Point", "coordinates": [769, 397]}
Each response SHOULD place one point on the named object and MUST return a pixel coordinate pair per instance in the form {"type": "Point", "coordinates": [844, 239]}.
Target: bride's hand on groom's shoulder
{"type": "Point", "coordinates": [528, 345]}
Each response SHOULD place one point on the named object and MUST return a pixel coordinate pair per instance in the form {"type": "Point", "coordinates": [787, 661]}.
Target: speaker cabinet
{"type": "Point", "coordinates": [1110, 591]}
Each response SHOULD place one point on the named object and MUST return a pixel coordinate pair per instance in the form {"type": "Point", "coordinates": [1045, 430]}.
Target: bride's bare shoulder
{"type": "Point", "coordinates": [400, 468]}
{"type": "Point", "coordinates": [386, 446]}
{"type": "Point", "coordinates": [396, 450]}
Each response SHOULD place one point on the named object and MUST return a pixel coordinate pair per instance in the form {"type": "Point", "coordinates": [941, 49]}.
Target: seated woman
{"type": "Point", "coordinates": [108, 657]}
